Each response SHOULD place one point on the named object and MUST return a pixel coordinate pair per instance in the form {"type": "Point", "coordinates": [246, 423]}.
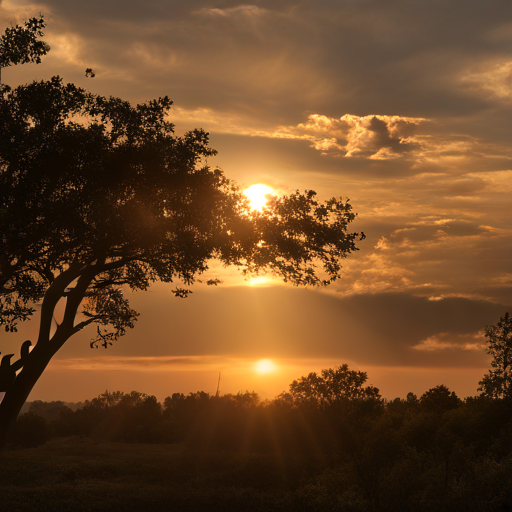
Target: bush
{"type": "Point", "coordinates": [30, 431]}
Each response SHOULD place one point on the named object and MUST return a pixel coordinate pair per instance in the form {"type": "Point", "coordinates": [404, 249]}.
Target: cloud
{"type": "Point", "coordinates": [496, 80]}
{"type": "Point", "coordinates": [239, 10]}
{"type": "Point", "coordinates": [378, 137]}
{"type": "Point", "coordinates": [453, 253]}
{"type": "Point", "coordinates": [19, 12]}
{"type": "Point", "coordinates": [69, 48]}
{"type": "Point", "coordinates": [431, 230]}
{"type": "Point", "coordinates": [390, 137]}
{"type": "Point", "coordinates": [270, 62]}
{"type": "Point", "coordinates": [214, 327]}
{"type": "Point", "coordinates": [161, 363]}
{"type": "Point", "coordinates": [451, 341]}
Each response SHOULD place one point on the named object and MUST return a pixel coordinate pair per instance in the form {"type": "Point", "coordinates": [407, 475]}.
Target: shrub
{"type": "Point", "coordinates": [30, 431]}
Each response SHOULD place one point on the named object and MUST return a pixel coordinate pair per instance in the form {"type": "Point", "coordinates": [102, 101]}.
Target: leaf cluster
{"type": "Point", "coordinates": [20, 44]}
{"type": "Point", "coordinates": [98, 195]}
{"type": "Point", "coordinates": [334, 385]}
{"type": "Point", "coordinates": [498, 381]}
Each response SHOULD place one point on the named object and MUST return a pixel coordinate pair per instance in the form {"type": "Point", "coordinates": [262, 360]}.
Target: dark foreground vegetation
{"type": "Point", "coordinates": [329, 444]}
{"type": "Point", "coordinates": [306, 450]}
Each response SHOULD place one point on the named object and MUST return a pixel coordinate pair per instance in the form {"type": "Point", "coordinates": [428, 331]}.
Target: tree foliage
{"type": "Point", "coordinates": [229, 454]}
{"type": "Point", "coordinates": [498, 381]}
{"type": "Point", "coordinates": [98, 196]}
{"type": "Point", "coordinates": [20, 44]}
{"type": "Point", "coordinates": [334, 385]}
{"type": "Point", "coordinates": [88, 207]}
{"type": "Point", "coordinates": [439, 399]}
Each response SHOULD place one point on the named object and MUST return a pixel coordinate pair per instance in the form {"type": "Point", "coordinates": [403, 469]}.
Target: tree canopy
{"type": "Point", "coordinates": [498, 381]}
{"type": "Point", "coordinates": [333, 386]}
{"type": "Point", "coordinates": [98, 195]}
{"type": "Point", "coordinates": [439, 399]}
{"type": "Point", "coordinates": [20, 44]}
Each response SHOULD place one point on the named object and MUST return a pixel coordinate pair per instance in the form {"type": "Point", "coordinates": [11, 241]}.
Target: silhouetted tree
{"type": "Point", "coordinates": [498, 381]}
{"type": "Point", "coordinates": [333, 385]}
{"type": "Point", "coordinates": [439, 399]}
{"type": "Point", "coordinates": [411, 398]}
{"type": "Point", "coordinates": [98, 195]}
{"type": "Point", "coordinates": [20, 44]}
{"type": "Point", "coordinates": [116, 416]}
{"type": "Point", "coordinates": [31, 430]}
{"type": "Point", "coordinates": [244, 399]}
{"type": "Point", "coordinates": [106, 400]}
{"type": "Point", "coordinates": [48, 410]}
{"type": "Point", "coordinates": [137, 417]}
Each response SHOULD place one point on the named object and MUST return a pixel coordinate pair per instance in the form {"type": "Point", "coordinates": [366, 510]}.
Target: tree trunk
{"type": "Point", "coordinates": [34, 364]}
{"type": "Point", "coordinates": [18, 393]}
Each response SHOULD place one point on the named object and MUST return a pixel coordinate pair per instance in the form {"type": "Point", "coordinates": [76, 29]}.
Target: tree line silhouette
{"type": "Point", "coordinates": [320, 411]}
{"type": "Point", "coordinates": [357, 452]}
{"type": "Point", "coordinates": [331, 441]}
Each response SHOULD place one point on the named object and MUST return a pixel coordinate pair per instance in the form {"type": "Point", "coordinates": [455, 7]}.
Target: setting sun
{"type": "Point", "coordinates": [258, 195]}
{"type": "Point", "coordinates": [258, 280]}
{"type": "Point", "coordinates": [265, 366]}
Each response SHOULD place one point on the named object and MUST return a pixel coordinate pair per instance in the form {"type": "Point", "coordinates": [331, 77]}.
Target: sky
{"type": "Point", "coordinates": [402, 106]}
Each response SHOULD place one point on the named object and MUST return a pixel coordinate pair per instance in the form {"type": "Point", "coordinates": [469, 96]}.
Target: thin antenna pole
{"type": "Point", "coordinates": [218, 388]}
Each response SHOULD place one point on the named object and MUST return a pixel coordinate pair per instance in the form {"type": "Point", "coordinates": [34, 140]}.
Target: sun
{"type": "Point", "coordinates": [258, 280]}
{"type": "Point", "coordinates": [258, 195]}
{"type": "Point", "coordinates": [265, 366]}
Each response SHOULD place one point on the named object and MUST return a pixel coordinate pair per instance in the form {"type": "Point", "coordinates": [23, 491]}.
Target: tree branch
{"type": "Point", "coordinates": [85, 323]}
{"type": "Point", "coordinates": [51, 298]}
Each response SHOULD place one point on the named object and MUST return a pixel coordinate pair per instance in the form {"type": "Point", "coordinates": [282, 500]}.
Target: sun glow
{"type": "Point", "coordinates": [258, 280]}
{"type": "Point", "coordinates": [265, 366]}
{"type": "Point", "coordinates": [258, 195]}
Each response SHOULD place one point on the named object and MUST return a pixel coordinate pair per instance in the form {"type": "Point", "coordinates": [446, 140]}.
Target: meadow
{"type": "Point", "coordinates": [81, 474]}
{"type": "Point", "coordinates": [128, 452]}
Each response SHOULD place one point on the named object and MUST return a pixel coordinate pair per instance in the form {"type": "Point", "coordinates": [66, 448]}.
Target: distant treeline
{"type": "Point", "coordinates": [243, 422]}
{"type": "Point", "coordinates": [42, 408]}
{"type": "Point", "coordinates": [356, 451]}
{"type": "Point", "coordinates": [330, 443]}
{"type": "Point", "coordinates": [365, 452]}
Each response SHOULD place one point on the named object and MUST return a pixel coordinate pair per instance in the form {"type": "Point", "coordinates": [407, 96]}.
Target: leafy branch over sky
{"type": "Point", "coordinates": [99, 195]}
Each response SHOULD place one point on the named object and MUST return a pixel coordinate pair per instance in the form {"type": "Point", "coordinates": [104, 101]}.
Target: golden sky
{"type": "Point", "coordinates": [402, 106]}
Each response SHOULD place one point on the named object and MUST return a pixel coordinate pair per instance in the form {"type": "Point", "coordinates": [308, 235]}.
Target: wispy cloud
{"type": "Point", "coordinates": [452, 341]}
{"type": "Point", "coordinates": [158, 363]}
{"type": "Point", "coordinates": [239, 10]}
{"type": "Point", "coordinates": [385, 137]}
{"type": "Point", "coordinates": [496, 79]}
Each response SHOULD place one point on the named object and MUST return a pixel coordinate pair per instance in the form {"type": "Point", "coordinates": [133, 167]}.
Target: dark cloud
{"type": "Point", "coordinates": [332, 57]}
{"type": "Point", "coordinates": [435, 230]}
{"type": "Point", "coordinates": [383, 138]}
{"type": "Point", "coordinates": [380, 329]}
{"type": "Point", "coordinates": [465, 186]}
{"type": "Point", "coordinates": [287, 159]}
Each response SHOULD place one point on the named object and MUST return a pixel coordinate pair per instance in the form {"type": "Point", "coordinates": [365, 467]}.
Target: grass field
{"type": "Point", "coordinates": [80, 474]}
{"type": "Point", "coordinates": [404, 457]}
